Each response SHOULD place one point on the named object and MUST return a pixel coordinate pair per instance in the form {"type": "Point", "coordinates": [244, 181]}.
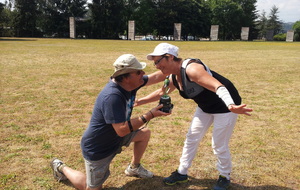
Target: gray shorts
{"type": "Point", "coordinates": [98, 171]}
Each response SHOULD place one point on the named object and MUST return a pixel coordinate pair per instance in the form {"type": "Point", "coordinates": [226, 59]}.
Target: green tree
{"type": "Point", "coordinates": [232, 15]}
{"type": "Point", "coordinates": [296, 28]}
{"type": "Point", "coordinates": [194, 16]}
{"type": "Point", "coordinates": [25, 19]}
{"type": "Point", "coordinates": [261, 25]}
{"type": "Point", "coordinates": [273, 21]}
{"type": "Point", "coordinates": [227, 14]}
{"type": "Point", "coordinates": [144, 16]}
{"type": "Point", "coordinates": [249, 16]}
{"type": "Point", "coordinates": [106, 18]}
{"type": "Point", "coordinates": [131, 11]}
{"type": "Point", "coordinates": [6, 19]}
{"type": "Point", "coordinates": [2, 19]}
{"type": "Point", "coordinates": [1, 8]}
{"type": "Point", "coordinates": [76, 8]}
{"type": "Point", "coordinates": [54, 15]}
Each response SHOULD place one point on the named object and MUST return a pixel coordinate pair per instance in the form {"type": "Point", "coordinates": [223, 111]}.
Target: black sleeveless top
{"type": "Point", "coordinates": [207, 100]}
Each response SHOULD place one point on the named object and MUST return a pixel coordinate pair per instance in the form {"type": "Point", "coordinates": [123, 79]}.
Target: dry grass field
{"type": "Point", "coordinates": [48, 88]}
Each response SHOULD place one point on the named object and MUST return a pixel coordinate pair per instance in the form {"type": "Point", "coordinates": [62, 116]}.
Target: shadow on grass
{"type": "Point", "coordinates": [16, 39]}
{"type": "Point", "coordinates": [156, 183]}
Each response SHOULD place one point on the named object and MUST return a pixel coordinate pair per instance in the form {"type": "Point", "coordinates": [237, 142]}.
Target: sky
{"type": "Point", "coordinates": [289, 10]}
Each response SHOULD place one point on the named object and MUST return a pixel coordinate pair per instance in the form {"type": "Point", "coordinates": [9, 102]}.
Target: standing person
{"type": "Point", "coordinates": [112, 127]}
{"type": "Point", "coordinates": [217, 100]}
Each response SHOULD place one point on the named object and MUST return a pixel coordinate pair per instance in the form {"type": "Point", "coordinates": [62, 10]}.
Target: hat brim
{"type": "Point", "coordinates": [129, 70]}
{"type": "Point", "coordinates": [151, 55]}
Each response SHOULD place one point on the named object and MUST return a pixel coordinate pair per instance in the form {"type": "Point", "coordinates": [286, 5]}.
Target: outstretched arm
{"type": "Point", "coordinates": [134, 124]}
{"type": "Point", "coordinates": [198, 74]}
{"type": "Point", "coordinates": [155, 77]}
{"type": "Point", "coordinates": [154, 96]}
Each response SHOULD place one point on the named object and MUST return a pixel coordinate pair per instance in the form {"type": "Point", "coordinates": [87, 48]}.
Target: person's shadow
{"type": "Point", "coordinates": [156, 183]}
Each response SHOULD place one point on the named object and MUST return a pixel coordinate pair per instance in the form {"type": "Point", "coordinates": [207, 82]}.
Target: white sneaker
{"type": "Point", "coordinates": [55, 164]}
{"type": "Point", "coordinates": [138, 172]}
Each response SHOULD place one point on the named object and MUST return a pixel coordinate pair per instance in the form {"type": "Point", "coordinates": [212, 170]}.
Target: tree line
{"type": "Point", "coordinates": [107, 19]}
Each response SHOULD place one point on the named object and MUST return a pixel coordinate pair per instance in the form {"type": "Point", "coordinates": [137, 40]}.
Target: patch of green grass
{"type": "Point", "coordinates": [6, 178]}
{"type": "Point", "coordinates": [42, 182]}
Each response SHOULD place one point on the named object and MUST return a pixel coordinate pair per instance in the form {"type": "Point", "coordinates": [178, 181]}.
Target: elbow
{"type": "Point", "coordinates": [122, 133]}
{"type": "Point", "coordinates": [121, 129]}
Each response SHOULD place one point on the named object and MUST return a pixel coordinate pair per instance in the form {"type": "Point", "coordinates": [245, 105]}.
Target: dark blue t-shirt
{"type": "Point", "coordinates": [113, 105]}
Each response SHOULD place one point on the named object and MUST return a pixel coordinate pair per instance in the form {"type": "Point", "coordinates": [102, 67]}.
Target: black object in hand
{"type": "Point", "coordinates": [167, 105]}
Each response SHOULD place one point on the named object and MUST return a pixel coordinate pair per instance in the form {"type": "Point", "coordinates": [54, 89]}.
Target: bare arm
{"type": "Point", "coordinates": [198, 74]}
{"type": "Point", "coordinates": [155, 77]}
{"type": "Point", "coordinates": [134, 124]}
{"type": "Point", "coordinates": [154, 96]}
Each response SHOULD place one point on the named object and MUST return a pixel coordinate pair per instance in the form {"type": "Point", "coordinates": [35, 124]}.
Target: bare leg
{"type": "Point", "coordinates": [77, 178]}
{"type": "Point", "coordinates": [140, 144]}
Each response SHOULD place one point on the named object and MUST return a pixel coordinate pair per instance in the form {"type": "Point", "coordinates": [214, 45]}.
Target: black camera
{"type": "Point", "coordinates": [167, 105]}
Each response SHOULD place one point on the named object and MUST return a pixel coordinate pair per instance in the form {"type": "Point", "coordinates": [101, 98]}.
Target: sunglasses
{"type": "Point", "coordinates": [157, 62]}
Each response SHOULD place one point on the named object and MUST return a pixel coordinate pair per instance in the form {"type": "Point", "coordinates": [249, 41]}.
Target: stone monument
{"type": "Point", "coordinates": [290, 36]}
{"type": "Point", "coordinates": [214, 30]}
{"type": "Point", "coordinates": [245, 33]}
{"type": "Point", "coordinates": [72, 27]}
{"type": "Point", "coordinates": [131, 30]}
{"type": "Point", "coordinates": [177, 31]}
{"type": "Point", "coordinates": [269, 35]}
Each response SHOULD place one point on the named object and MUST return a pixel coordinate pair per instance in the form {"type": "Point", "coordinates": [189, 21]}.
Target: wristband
{"type": "Point", "coordinates": [224, 94]}
{"type": "Point", "coordinates": [130, 126]}
{"type": "Point", "coordinates": [144, 119]}
{"type": "Point", "coordinates": [151, 114]}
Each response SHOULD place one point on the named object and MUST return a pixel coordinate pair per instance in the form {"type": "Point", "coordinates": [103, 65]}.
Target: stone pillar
{"type": "Point", "coordinates": [245, 33]}
{"type": "Point", "coordinates": [270, 35]}
{"type": "Point", "coordinates": [177, 31]}
{"type": "Point", "coordinates": [131, 30]}
{"type": "Point", "coordinates": [290, 36]}
{"type": "Point", "coordinates": [214, 30]}
{"type": "Point", "coordinates": [72, 27]}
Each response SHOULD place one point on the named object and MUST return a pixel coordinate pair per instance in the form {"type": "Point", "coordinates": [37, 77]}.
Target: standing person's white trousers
{"type": "Point", "coordinates": [222, 131]}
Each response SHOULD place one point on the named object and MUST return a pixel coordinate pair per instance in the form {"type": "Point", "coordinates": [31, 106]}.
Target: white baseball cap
{"type": "Point", "coordinates": [127, 63]}
{"type": "Point", "coordinates": [163, 48]}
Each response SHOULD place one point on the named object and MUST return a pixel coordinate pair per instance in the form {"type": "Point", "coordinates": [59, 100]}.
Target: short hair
{"type": "Point", "coordinates": [175, 58]}
{"type": "Point", "coordinates": [121, 77]}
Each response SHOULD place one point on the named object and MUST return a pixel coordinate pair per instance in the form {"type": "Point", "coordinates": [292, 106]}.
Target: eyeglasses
{"type": "Point", "coordinates": [157, 62]}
